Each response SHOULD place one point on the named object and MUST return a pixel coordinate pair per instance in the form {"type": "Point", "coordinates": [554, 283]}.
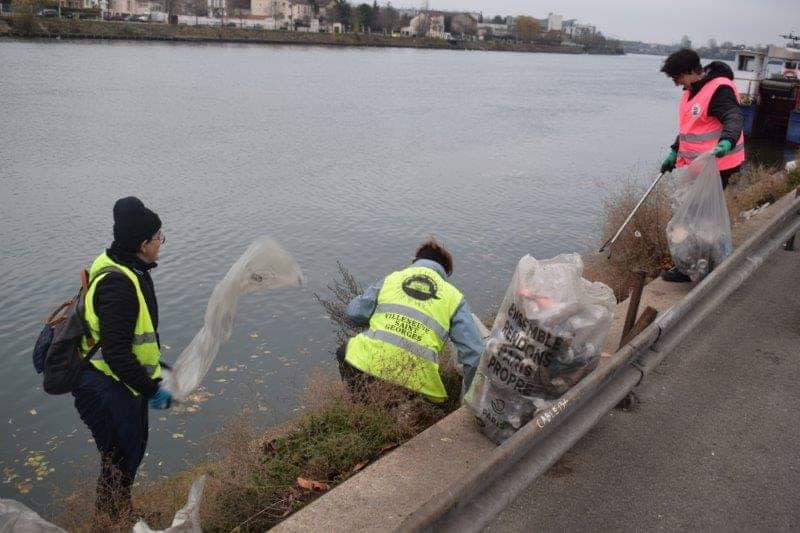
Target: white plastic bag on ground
{"type": "Point", "coordinates": [546, 337]}
{"type": "Point", "coordinates": [187, 519]}
{"type": "Point", "coordinates": [699, 233]}
{"type": "Point", "coordinates": [264, 265]}
{"type": "Point", "coordinates": [16, 517]}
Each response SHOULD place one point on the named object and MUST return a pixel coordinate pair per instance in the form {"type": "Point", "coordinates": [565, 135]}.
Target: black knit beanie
{"type": "Point", "coordinates": [133, 224]}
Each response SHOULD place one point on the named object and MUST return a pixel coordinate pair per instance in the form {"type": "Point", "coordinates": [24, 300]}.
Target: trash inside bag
{"type": "Point", "coordinates": [548, 334]}
{"type": "Point", "coordinates": [16, 517]}
{"type": "Point", "coordinates": [264, 265]}
{"type": "Point", "coordinates": [699, 233]}
{"type": "Point", "coordinates": [187, 519]}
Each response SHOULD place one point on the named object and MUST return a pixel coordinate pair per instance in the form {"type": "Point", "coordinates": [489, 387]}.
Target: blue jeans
{"type": "Point", "coordinates": [118, 422]}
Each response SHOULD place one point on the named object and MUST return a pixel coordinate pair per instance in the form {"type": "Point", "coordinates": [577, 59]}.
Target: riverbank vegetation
{"type": "Point", "coordinates": [30, 26]}
{"type": "Point", "coordinates": [643, 246]}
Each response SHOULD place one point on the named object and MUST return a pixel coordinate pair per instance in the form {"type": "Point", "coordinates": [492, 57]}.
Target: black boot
{"type": "Point", "coordinates": [675, 276]}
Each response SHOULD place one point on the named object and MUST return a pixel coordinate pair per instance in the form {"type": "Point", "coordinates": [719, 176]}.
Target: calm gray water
{"type": "Point", "coordinates": [347, 153]}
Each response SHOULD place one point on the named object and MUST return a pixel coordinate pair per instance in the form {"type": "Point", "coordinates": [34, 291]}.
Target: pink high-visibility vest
{"type": "Point", "coordinates": [699, 132]}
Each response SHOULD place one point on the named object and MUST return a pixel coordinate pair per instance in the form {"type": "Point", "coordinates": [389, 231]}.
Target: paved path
{"type": "Point", "coordinates": [715, 442]}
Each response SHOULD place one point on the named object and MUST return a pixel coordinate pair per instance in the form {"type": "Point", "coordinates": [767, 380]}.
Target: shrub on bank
{"type": "Point", "coordinates": [643, 246]}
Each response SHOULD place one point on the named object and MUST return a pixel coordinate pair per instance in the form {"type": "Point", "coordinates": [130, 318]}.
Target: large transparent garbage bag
{"type": "Point", "coordinates": [16, 517]}
{"type": "Point", "coordinates": [699, 233]}
{"type": "Point", "coordinates": [187, 519]}
{"type": "Point", "coordinates": [546, 337]}
{"type": "Point", "coordinates": [264, 265]}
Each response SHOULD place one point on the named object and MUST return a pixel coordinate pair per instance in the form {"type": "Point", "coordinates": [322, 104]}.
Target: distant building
{"type": "Point", "coordinates": [576, 30]}
{"type": "Point", "coordinates": [492, 30]}
{"type": "Point", "coordinates": [464, 24]}
{"type": "Point", "coordinates": [554, 22]}
{"type": "Point", "coordinates": [428, 24]}
{"type": "Point", "coordinates": [132, 7]}
{"type": "Point", "coordinates": [301, 10]}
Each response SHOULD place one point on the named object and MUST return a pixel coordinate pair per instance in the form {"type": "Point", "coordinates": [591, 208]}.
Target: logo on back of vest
{"type": "Point", "coordinates": [696, 109]}
{"type": "Point", "coordinates": [420, 287]}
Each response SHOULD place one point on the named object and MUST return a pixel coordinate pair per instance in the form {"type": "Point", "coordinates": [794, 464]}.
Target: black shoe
{"type": "Point", "coordinates": [674, 275]}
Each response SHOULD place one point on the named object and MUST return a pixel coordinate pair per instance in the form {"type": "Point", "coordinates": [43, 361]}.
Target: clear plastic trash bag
{"type": "Point", "coordinates": [546, 337]}
{"type": "Point", "coordinates": [264, 265]}
{"type": "Point", "coordinates": [16, 517]}
{"type": "Point", "coordinates": [187, 519]}
{"type": "Point", "coordinates": [699, 233]}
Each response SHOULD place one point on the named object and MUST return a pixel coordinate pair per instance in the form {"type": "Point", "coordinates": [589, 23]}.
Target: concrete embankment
{"type": "Point", "coordinates": [434, 465]}
{"type": "Point", "coordinates": [92, 29]}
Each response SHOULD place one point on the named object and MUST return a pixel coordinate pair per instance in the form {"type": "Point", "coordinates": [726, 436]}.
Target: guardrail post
{"type": "Point", "coordinates": [789, 246]}
{"type": "Point", "coordinates": [633, 305]}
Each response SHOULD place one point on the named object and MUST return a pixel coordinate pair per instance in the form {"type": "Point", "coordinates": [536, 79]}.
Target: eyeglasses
{"type": "Point", "coordinates": [159, 237]}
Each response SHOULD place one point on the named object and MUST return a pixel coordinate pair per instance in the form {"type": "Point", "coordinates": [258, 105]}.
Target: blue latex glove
{"type": "Point", "coordinates": [722, 148]}
{"type": "Point", "coordinates": [162, 399]}
{"type": "Point", "coordinates": [669, 163]}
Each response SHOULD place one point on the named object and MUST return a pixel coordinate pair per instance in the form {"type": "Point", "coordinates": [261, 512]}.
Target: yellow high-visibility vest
{"type": "Point", "coordinates": [145, 341]}
{"type": "Point", "coordinates": [407, 331]}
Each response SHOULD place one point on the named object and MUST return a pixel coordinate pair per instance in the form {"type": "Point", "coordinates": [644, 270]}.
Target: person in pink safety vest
{"type": "Point", "coordinates": [709, 119]}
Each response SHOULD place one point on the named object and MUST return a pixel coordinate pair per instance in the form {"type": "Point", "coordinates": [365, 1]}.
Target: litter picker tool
{"type": "Point", "coordinates": [613, 239]}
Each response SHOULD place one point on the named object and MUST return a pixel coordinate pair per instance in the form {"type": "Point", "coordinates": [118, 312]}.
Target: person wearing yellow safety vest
{"type": "Point", "coordinates": [709, 119]}
{"type": "Point", "coordinates": [410, 314]}
{"type": "Point", "coordinates": [114, 391]}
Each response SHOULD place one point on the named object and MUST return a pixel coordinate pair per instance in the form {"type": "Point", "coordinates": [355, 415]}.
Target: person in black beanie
{"type": "Point", "coordinates": [123, 378]}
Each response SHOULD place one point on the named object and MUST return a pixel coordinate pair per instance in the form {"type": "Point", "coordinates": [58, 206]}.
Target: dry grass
{"type": "Point", "coordinates": [156, 501]}
{"type": "Point", "coordinates": [759, 185]}
{"type": "Point", "coordinates": [643, 243]}
{"type": "Point", "coordinates": [263, 479]}
{"type": "Point", "coordinates": [257, 479]}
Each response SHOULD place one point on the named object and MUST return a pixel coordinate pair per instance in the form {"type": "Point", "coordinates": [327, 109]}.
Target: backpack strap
{"type": "Point", "coordinates": [81, 305]}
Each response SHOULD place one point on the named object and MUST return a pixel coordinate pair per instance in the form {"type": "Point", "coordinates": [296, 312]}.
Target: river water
{"type": "Point", "coordinates": [355, 154]}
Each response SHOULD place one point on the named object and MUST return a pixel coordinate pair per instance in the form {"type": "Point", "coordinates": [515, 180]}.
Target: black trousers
{"type": "Point", "coordinates": [118, 422]}
{"type": "Point", "coordinates": [725, 175]}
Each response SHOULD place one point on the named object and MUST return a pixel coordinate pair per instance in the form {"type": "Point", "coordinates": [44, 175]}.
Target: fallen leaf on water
{"type": "Point", "coordinates": [310, 484]}
{"type": "Point", "coordinates": [254, 335]}
{"type": "Point", "coordinates": [33, 412]}
{"type": "Point", "coordinates": [177, 435]}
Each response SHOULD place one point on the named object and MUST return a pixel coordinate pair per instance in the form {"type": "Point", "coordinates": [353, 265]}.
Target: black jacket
{"type": "Point", "coordinates": [724, 106]}
{"type": "Point", "coordinates": [117, 308]}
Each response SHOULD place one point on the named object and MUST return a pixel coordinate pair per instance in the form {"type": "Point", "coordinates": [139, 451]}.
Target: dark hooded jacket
{"type": "Point", "coordinates": [724, 105]}
{"type": "Point", "coordinates": [117, 308]}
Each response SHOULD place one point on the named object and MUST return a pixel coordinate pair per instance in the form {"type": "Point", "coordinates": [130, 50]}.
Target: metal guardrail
{"type": "Point", "coordinates": [489, 487]}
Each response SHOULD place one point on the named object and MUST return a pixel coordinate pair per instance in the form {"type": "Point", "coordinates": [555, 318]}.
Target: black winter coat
{"type": "Point", "coordinates": [724, 106]}
{"type": "Point", "coordinates": [117, 308]}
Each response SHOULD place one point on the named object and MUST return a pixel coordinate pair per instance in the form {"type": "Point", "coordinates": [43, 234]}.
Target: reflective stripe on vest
{"type": "Point", "coordinates": [699, 132]}
{"type": "Point", "coordinates": [407, 331]}
{"type": "Point", "coordinates": [145, 340]}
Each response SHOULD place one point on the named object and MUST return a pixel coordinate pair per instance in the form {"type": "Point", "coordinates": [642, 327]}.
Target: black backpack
{"type": "Point", "coordinates": [57, 350]}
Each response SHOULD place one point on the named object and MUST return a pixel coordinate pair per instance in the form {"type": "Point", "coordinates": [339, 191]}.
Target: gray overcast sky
{"type": "Point", "coordinates": [663, 21]}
